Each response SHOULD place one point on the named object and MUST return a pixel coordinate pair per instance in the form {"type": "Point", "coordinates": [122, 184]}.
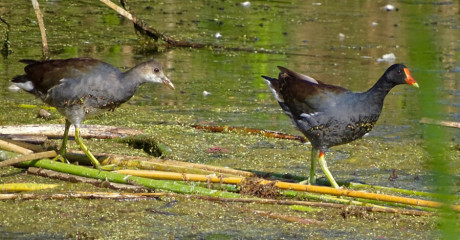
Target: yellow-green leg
{"type": "Point", "coordinates": [323, 165]}
{"type": "Point", "coordinates": [63, 149]}
{"type": "Point", "coordinates": [83, 147]}
{"type": "Point", "coordinates": [314, 157]}
{"type": "Point", "coordinates": [312, 177]}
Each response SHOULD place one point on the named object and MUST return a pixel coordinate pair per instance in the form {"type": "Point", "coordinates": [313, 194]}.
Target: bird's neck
{"type": "Point", "coordinates": [129, 81]}
{"type": "Point", "coordinates": [378, 92]}
{"type": "Point", "coordinates": [133, 77]}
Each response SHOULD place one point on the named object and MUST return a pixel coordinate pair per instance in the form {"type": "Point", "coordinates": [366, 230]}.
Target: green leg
{"type": "Point", "coordinates": [83, 147]}
{"type": "Point", "coordinates": [63, 149]}
{"type": "Point", "coordinates": [314, 157]}
{"type": "Point", "coordinates": [323, 165]}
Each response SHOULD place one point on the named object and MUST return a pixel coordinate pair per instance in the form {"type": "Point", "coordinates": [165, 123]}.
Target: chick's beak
{"type": "Point", "coordinates": [167, 82]}
{"type": "Point", "coordinates": [409, 79]}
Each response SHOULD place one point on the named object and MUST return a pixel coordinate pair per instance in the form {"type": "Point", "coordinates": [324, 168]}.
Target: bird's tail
{"type": "Point", "coordinates": [21, 81]}
{"type": "Point", "coordinates": [273, 84]}
{"type": "Point", "coordinates": [269, 78]}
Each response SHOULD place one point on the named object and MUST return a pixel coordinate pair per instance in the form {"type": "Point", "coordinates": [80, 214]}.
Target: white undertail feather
{"type": "Point", "coordinates": [275, 93]}
{"type": "Point", "coordinates": [27, 86]}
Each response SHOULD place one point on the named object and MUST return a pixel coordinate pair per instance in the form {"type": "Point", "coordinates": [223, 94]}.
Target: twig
{"type": "Point", "coordinates": [19, 141]}
{"type": "Point", "coordinates": [314, 204]}
{"type": "Point", "coordinates": [14, 148]}
{"type": "Point", "coordinates": [21, 187]}
{"type": "Point", "coordinates": [28, 157]}
{"type": "Point", "coordinates": [73, 178]}
{"type": "Point", "coordinates": [440, 122]}
{"type": "Point", "coordinates": [150, 163]}
{"type": "Point", "coordinates": [266, 133]}
{"type": "Point", "coordinates": [83, 195]}
{"type": "Point", "coordinates": [181, 176]}
{"type": "Point", "coordinates": [41, 24]}
{"type": "Point", "coordinates": [6, 44]}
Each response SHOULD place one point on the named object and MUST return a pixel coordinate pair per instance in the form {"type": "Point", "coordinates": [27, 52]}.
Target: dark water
{"type": "Point", "coordinates": [338, 42]}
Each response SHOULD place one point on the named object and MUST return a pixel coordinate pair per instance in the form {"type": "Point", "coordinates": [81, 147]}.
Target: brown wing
{"type": "Point", "coordinates": [47, 74]}
{"type": "Point", "coordinates": [304, 94]}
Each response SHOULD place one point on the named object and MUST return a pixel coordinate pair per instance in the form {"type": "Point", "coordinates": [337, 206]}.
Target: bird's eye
{"type": "Point", "coordinates": [399, 71]}
{"type": "Point", "coordinates": [156, 70]}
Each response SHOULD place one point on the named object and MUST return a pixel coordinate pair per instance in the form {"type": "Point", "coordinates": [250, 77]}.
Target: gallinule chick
{"type": "Point", "coordinates": [330, 115]}
{"type": "Point", "coordinates": [84, 87]}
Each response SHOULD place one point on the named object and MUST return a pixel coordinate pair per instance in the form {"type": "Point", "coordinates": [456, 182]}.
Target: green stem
{"type": "Point", "coordinates": [172, 186]}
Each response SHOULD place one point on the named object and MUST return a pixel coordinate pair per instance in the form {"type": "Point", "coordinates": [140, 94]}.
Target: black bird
{"type": "Point", "coordinates": [329, 115]}
{"type": "Point", "coordinates": [85, 87]}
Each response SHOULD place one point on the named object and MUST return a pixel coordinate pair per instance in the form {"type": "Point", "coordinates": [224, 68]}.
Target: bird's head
{"type": "Point", "coordinates": [400, 74]}
{"type": "Point", "coordinates": [153, 72]}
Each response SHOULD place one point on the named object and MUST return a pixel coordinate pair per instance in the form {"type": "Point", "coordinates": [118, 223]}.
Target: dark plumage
{"type": "Point", "coordinates": [84, 87]}
{"type": "Point", "coordinates": [330, 115]}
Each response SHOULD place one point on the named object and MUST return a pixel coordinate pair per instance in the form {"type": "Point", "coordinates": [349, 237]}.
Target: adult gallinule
{"type": "Point", "coordinates": [84, 87]}
{"type": "Point", "coordinates": [330, 115]}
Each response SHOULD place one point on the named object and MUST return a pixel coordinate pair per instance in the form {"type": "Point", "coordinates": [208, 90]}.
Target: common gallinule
{"type": "Point", "coordinates": [330, 115]}
{"type": "Point", "coordinates": [84, 87]}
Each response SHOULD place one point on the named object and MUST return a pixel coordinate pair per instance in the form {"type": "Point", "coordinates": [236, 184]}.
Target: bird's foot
{"type": "Point", "coordinates": [109, 167]}
{"type": "Point", "coordinates": [106, 165]}
{"type": "Point", "coordinates": [60, 158]}
{"type": "Point", "coordinates": [305, 182]}
{"type": "Point", "coordinates": [309, 181]}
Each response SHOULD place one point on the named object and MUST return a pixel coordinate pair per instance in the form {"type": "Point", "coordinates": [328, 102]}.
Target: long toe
{"type": "Point", "coordinates": [60, 158]}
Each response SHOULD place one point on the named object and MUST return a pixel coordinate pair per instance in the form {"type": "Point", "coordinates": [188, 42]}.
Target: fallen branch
{"type": "Point", "coordinates": [144, 28]}
{"type": "Point", "coordinates": [57, 130]}
{"type": "Point", "coordinates": [266, 133]}
{"type": "Point", "coordinates": [73, 178]}
{"type": "Point", "coordinates": [440, 122]}
{"type": "Point", "coordinates": [14, 148]}
{"type": "Point", "coordinates": [28, 157]}
{"type": "Point", "coordinates": [41, 25]}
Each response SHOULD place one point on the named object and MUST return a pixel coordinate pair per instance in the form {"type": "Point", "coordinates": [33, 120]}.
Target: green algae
{"type": "Point", "coordinates": [308, 34]}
